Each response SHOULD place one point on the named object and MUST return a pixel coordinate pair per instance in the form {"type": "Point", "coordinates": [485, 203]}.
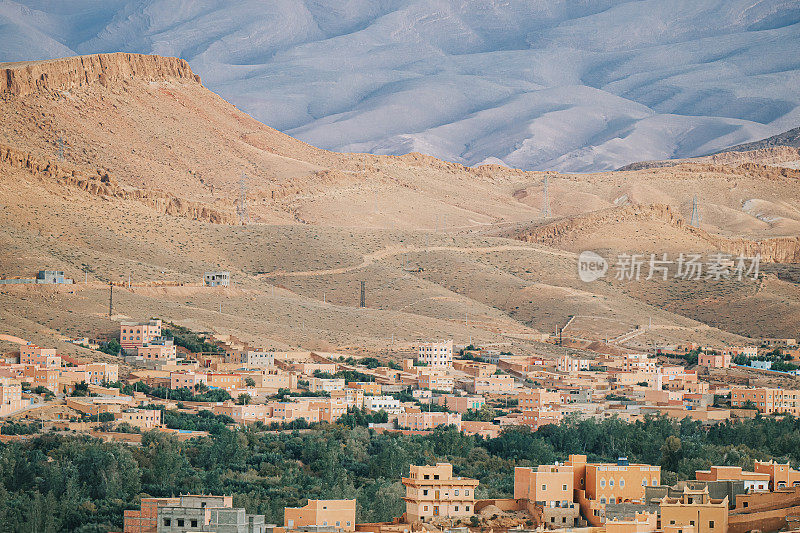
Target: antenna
{"type": "Point", "coordinates": [546, 200]}
{"type": "Point", "coordinates": [696, 218]}
{"type": "Point", "coordinates": [241, 204]}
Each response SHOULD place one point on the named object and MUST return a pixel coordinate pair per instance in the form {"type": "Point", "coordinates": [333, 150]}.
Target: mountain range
{"type": "Point", "coordinates": [543, 85]}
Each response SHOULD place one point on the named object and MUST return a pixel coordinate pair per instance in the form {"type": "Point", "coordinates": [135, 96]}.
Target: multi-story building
{"type": "Point", "coordinates": [767, 400]}
{"type": "Point", "coordinates": [460, 404]}
{"type": "Point", "coordinates": [325, 384]}
{"type": "Point", "coordinates": [369, 387]}
{"type": "Point", "coordinates": [417, 420]}
{"type": "Point", "coordinates": [258, 359]}
{"type": "Point", "coordinates": [780, 474]}
{"type": "Point", "coordinates": [714, 359]}
{"type": "Point", "coordinates": [432, 491]}
{"type": "Point", "coordinates": [220, 278]}
{"type": "Point", "coordinates": [145, 519]}
{"type": "Point", "coordinates": [435, 380]}
{"type": "Point", "coordinates": [11, 396]}
{"type": "Point", "coordinates": [187, 379]}
{"type": "Point", "coordinates": [30, 354]}
{"type": "Point", "coordinates": [436, 354]}
{"type": "Point", "coordinates": [536, 418]}
{"type": "Point", "coordinates": [132, 335]}
{"type": "Point", "coordinates": [226, 381]}
{"type": "Point", "coordinates": [212, 514]}
{"type": "Point", "coordinates": [351, 397]}
{"type": "Point", "coordinates": [491, 385]}
{"type": "Point", "coordinates": [549, 485]}
{"type": "Point", "coordinates": [386, 403]}
{"type": "Point", "coordinates": [638, 362]}
{"type": "Point", "coordinates": [572, 365]}
{"type": "Point", "coordinates": [160, 349]}
{"type": "Point", "coordinates": [100, 372]}
{"type": "Point", "coordinates": [538, 399]}
{"type": "Point", "coordinates": [694, 511]}
{"type": "Point", "coordinates": [613, 483]}
{"type": "Point", "coordinates": [753, 481]}
{"type": "Point", "coordinates": [332, 515]}
{"type": "Point", "coordinates": [140, 418]}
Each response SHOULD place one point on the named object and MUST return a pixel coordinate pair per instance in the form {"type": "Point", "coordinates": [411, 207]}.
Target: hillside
{"type": "Point", "coordinates": [147, 181]}
{"type": "Point", "coordinates": [789, 138]}
{"type": "Point", "coordinates": [558, 85]}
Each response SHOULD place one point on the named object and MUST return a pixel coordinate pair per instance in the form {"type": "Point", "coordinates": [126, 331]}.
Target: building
{"type": "Point", "coordinates": [436, 354]}
{"type": "Point", "coordinates": [369, 387]}
{"type": "Point", "coordinates": [140, 418]}
{"type": "Point", "coordinates": [780, 475]}
{"type": "Point", "coordinates": [779, 343]}
{"type": "Point", "coordinates": [435, 380]}
{"type": "Point", "coordinates": [145, 519]}
{"type": "Point", "coordinates": [258, 359]}
{"type": "Point", "coordinates": [212, 514]}
{"type": "Point", "coordinates": [325, 384]}
{"type": "Point", "coordinates": [491, 385]}
{"type": "Point", "coordinates": [416, 420]}
{"type": "Point", "coordinates": [99, 373]}
{"type": "Point", "coordinates": [432, 491]}
{"type": "Point", "coordinates": [549, 485]}
{"type": "Point", "coordinates": [351, 397]}
{"type": "Point", "coordinates": [227, 381]}
{"type": "Point", "coordinates": [766, 400]}
{"type": "Point", "coordinates": [753, 481]}
{"type": "Point", "coordinates": [571, 365]}
{"type": "Point", "coordinates": [187, 379]}
{"type": "Point", "coordinates": [160, 349]}
{"type": "Point", "coordinates": [383, 403]}
{"type": "Point", "coordinates": [638, 362]}
{"type": "Point", "coordinates": [538, 399]}
{"type": "Point", "coordinates": [52, 276]}
{"type": "Point", "coordinates": [613, 483]}
{"type": "Point", "coordinates": [536, 418]}
{"type": "Point", "coordinates": [30, 354]}
{"type": "Point", "coordinates": [714, 359]}
{"type": "Point", "coordinates": [11, 396]}
{"type": "Point", "coordinates": [333, 515]}
{"type": "Point", "coordinates": [761, 365]}
{"type": "Point", "coordinates": [460, 404]}
{"type": "Point", "coordinates": [220, 278]}
{"type": "Point", "coordinates": [132, 335]}
{"type": "Point", "coordinates": [695, 511]}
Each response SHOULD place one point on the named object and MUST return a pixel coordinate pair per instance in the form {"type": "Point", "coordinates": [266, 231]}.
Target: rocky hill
{"type": "Point", "coordinates": [124, 165]}
{"type": "Point", "coordinates": [789, 138]}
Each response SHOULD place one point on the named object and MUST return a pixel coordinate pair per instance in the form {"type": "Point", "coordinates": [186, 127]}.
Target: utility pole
{"type": "Point", "coordinates": [695, 218]}
{"type": "Point", "coordinates": [110, 298]}
{"type": "Point", "coordinates": [363, 294]}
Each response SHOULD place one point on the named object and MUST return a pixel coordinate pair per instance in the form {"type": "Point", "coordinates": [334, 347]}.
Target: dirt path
{"type": "Point", "coordinates": [371, 258]}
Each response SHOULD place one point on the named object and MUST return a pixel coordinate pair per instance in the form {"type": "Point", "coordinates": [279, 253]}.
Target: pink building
{"type": "Point", "coordinates": [132, 335]}
{"type": "Point", "coordinates": [30, 354]}
{"type": "Point", "coordinates": [416, 420]}
{"type": "Point", "coordinates": [714, 360]}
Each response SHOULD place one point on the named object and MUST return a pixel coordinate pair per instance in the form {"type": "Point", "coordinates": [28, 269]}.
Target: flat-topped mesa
{"type": "Point", "coordinates": [29, 77]}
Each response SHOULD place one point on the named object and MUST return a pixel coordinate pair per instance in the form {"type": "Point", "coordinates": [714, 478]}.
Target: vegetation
{"type": "Point", "coordinates": [75, 483]}
{"type": "Point", "coordinates": [182, 394]}
{"type": "Point", "coordinates": [189, 339]}
{"type": "Point", "coordinates": [112, 347]}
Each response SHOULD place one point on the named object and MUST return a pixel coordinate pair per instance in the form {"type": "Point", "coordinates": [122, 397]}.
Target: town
{"type": "Point", "coordinates": [176, 382]}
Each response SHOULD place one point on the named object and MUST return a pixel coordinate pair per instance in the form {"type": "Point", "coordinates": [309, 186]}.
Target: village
{"type": "Point", "coordinates": [477, 391]}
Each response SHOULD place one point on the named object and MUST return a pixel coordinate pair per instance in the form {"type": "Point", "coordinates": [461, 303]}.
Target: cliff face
{"type": "Point", "coordinates": [773, 250]}
{"type": "Point", "coordinates": [101, 184]}
{"type": "Point", "coordinates": [20, 79]}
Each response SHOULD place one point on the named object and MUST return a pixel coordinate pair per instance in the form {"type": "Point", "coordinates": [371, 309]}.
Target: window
{"type": "Point", "coordinates": [711, 524]}
{"type": "Point", "coordinates": [563, 487]}
{"type": "Point", "coordinates": [691, 522]}
{"type": "Point", "coordinates": [466, 493]}
{"type": "Point", "coordinates": [456, 493]}
{"type": "Point", "coordinates": [180, 522]}
{"type": "Point", "coordinates": [456, 508]}
{"type": "Point", "coordinates": [194, 523]}
{"type": "Point", "coordinates": [544, 487]}
{"type": "Point", "coordinates": [348, 522]}
{"type": "Point", "coordinates": [338, 523]}
{"type": "Point", "coordinates": [672, 522]}
{"type": "Point", "coordinates": [467, 507]}
{"type": "Point", "coordinates": [655, 482]}
{"type": "Point", "coordinates": [425, 492]}
{"type": "Point", "coordinates": [602, 482]}
{"type": "Point", "coordinates": [644, 482]}
{"type": "Point", "coordinates": [603, 499]}
{"type": "Point", "coordinates": [611, 482]}
{"type": "Point", "coordinates": [167, 522]}
{"type": "Point", "coordinates": [426, 508]}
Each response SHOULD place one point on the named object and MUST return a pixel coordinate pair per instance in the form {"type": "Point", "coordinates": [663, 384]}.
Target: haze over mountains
{"type": "Point", "coordinates": [557, 85]}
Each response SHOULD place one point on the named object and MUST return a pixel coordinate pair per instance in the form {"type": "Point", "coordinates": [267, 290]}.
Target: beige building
{"type": "Point", "coordinates": [432, 491]}
{"type": "Point", "coordinates": [436, 354]}
{"type": "Point", "coordinates": [135, 334]}
{"type": "Point", "coordinates": [338, 515]}
{"type": "Point", "coordinates": [416, 420]}
{"type": "Point", "coordinates": [694, 511]}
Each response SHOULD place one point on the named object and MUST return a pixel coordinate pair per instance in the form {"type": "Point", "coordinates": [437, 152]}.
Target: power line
{"type": "Point", "coordinates": [695, 218]}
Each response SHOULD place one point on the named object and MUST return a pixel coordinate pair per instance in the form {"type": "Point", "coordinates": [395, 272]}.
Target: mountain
{"type": "Point", "coordinates": [789, 138]}
{"type": "Point", "coordinates": [123, 166]}
{"type": "Point", "coordinates": [544, 84]}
